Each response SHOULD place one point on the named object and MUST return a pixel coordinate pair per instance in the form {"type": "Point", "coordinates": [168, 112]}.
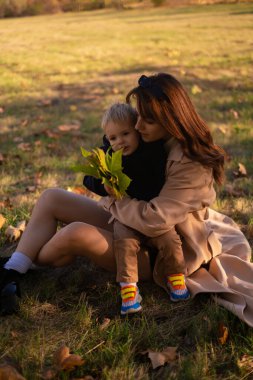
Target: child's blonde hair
{"type": "Point", "coordinates": [119, 113]}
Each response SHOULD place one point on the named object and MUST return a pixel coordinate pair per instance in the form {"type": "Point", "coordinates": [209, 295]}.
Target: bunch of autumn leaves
{"type": "Point", "coordinates": [107, 167]}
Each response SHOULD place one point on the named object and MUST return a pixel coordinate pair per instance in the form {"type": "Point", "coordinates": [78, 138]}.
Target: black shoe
{"type": "Point", "coordinates": [9, 300]}
{"type": "Point", "coordinates": [9, 291]}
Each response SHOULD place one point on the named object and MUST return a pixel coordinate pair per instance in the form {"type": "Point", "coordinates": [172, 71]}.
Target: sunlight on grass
{"type": "Point", "coordinates": [65, 69]}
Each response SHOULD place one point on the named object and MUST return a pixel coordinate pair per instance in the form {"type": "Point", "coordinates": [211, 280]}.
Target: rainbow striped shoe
{"type": "Point", "coordinates": [178, 289]}
{"type": "Point", "coordinates": [131, 300]}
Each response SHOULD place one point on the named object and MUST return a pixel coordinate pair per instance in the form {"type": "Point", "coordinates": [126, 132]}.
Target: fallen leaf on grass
{"type": "Point", "coordinates": [50, 134]}
{"type": "Point", "coordinates": [222, 129]}
{"type": "Point", "coordinates": [196, 89]}
{"type": "Point", "coordinates": [72, 108]}
{"type": "Point", "coordinates": [168, 355]}
{"type": "Point", "coordinates": [88, 377]}
{"type": "Point", "coordinates": [68, 127]}
{"type": "Point", "coordinates": [1, 110]}
{"type": "Point", "coordinates": [30, 189]}
{"type": "Point", "coordinates": [25, 147]}
{"type": "Point", "coordinates": [12, 233]}
{"type": "Point", "coordinates": [104, 324]}
{"type": "Point", "coordinates": [7, 372]}
{"type": "Point", "coordinates": [234, 113]}
{"type": "Point", "coordinates": [241, 172]}
{"type": "Point", "coordinates": [246, 361]}
{"type": "Point", "coordinates": [2, 220]}
{"type": "Point", "coordinates": [14, 334]}
{"type": "Point", "coordinates": [66, 361]}
{"type": "Point", "coordinates": [223, 334]}
{"type": "Point", "coordinates": [1, 158]}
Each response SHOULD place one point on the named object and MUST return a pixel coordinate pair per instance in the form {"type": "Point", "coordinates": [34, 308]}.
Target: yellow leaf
{"type": "Point", "coordinates": [223, 334]}
{"type": "Point", "coordinates": [7, 372]}
{"type": "Point", "coordinates": [2, 220]}
{"type": "Point", "coordinates": [12, 233]}
{"type": "Point", "coordinates": [73, 108]}
{"type": "Point", "coordinates": [196, 89]}
{"type": "Point", "coordinates": [168, 355]}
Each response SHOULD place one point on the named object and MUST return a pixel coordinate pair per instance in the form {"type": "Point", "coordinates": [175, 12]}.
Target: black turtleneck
{"type": "Point", "coordinates": [146, 167]}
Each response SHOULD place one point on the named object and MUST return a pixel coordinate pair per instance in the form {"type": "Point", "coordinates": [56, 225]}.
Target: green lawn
{"type": "Point", "coordinates": [66, 69]}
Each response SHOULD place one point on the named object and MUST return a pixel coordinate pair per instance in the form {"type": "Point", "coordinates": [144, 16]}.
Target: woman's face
{"type": "Point", "coordinates": [150, 130]}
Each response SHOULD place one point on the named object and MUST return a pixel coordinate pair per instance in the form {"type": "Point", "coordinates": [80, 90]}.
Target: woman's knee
{"type": "Point", "coordinates": [78, 234]}
{"type": "Point", "coordinates": [49, 196]}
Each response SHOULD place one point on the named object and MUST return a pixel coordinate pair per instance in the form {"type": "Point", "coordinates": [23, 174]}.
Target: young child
{"type": "Point", "coordinates": [145, 164]}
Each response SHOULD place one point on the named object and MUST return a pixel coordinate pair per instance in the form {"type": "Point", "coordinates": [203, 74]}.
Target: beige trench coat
{"type": "Point", "coordinates": [207, 236]}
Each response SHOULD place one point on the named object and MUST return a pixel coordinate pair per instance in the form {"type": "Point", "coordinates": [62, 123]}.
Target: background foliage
{"type": "Point", "coordinates": [16, 8]}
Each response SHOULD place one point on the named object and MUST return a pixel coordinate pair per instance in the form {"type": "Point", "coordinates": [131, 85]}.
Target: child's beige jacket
{"type": "Point", "coordinates": [207, 236]}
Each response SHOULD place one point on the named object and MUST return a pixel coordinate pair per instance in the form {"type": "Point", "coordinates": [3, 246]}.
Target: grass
{"type": "Point", "coordinates": [64, 70]}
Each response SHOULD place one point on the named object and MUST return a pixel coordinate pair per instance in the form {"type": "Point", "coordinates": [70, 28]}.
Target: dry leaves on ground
{"type": "Point", "coordinates": [63, 360]}
{"type": "Point", "coordinates": [241, 171]}
{"type": "Point", "coordinates": [104, 324]}
{"type": "Point", "coordinates": [13, 233]}
{"type": "Point", "coordinates": [68, 127]}
{"type": "Point", "coordinates": [246, 361]}
{"type": "Point", "coordinates": [168, 355]}
{"type": "Point", "coordinates": [196, 89]}
{"type": "Point", "coordinates": [223, 334]}
{"type": "Point", "coordinates": [7, 372]}
{"type": "Point", "coordinates": [2, 220]}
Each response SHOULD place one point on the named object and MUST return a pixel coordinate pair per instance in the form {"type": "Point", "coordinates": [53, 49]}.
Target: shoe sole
{"type": "Point", "coordinates": [133, 311]}
{"type": "Point", "coordinates": [179, 299]}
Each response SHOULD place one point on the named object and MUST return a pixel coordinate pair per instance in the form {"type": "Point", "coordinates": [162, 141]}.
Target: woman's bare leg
{"type": "Point", "coordinates": [58, 205]}
{"type": "Point", "coordinates": [79, 239]}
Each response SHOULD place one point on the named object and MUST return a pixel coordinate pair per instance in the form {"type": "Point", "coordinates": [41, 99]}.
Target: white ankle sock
{"type": "Point", "coordinates": [19, 262]}
{"type": "Point", "coordinates": [127, 283]}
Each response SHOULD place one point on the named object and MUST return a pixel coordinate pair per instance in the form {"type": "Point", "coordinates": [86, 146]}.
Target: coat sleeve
{"type": "Point", "coordinates": [188, 188]}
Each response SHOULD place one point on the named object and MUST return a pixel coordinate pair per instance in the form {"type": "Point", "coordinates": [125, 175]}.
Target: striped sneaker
{"type": "Point", "coordinates": [131, 300]}
{"type": "Point", "coordinates": [178, 289]}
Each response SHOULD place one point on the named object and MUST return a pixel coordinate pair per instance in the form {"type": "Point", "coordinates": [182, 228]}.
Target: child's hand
{"type": "Point", "coordinates": [109, 190]}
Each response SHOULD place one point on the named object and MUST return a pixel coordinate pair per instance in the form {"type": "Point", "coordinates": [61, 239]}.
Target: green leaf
{"type": "Point", "coordinates": [116, 162]}
{"type": "Point", "coordinates": [107, 167]}
{"type": "Point", "coordinates": [90, 170]}
{"type": "Point", "coordinates": [85, 152]}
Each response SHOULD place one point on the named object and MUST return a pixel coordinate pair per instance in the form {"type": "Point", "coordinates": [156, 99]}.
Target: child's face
{"type": "Point", "coordinates": [122, 136]}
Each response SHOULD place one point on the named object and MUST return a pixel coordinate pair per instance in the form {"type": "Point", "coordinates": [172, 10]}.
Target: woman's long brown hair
{"type": "Point", "coordinates": [163, 100]}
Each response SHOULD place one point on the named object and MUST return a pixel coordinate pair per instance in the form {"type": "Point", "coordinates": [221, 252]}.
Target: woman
{"type": "Point", "coordinates": [194, 163]}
